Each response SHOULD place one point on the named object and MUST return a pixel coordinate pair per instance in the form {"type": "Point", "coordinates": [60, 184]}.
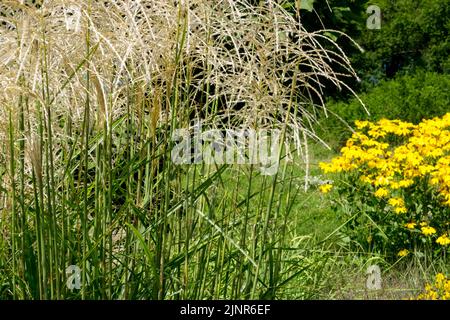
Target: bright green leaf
{"type": "Point", "coordinates": [306, 4]}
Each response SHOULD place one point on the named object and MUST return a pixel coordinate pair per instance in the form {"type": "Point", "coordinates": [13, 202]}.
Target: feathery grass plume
{"type": "Point", "coordinates": [253, 65]}
{"type": "Point", "coordinates": [90, 93]}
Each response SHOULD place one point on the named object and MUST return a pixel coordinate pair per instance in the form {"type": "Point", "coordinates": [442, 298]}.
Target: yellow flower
{"type": "Point", "coordinates": [400, 210]}
{"type": "Point", "coordinates": [381, 181]}
{"type": "Point", "coordinates": [366, 179]}
{"type": "Point", "coordinates": [410, 225]}
{"type": "Point", "coordinates": [420, 155]}
{"type": "Point", "coordinates": [440, 289]}
{"type": "Point", "coordinates": [440, 278]}
{"type": "Point", "coordinates": [325, 188]}
{"type": "Point", "coordinates": [396, 202]}
{"type": "Point", "coordinates": [361, 124]}
{"type": "Point", "coordinates": [443, 240]}
{"type": "Point", "coordinates": [395, 185]}
{"type": "Point", "coordinates": [326, 167]}
{"type": "Point", "coordinates": [403, 253]}
{"type": "Point", "coordinates": [405, 183]}
{"type": "Point", "coordinates": [381, 193]}
{"type": "Point", "coordinates": [427, 231]}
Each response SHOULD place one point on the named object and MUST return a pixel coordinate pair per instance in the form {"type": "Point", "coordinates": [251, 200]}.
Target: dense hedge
{"type": "Point", "coordinates": [409, 98]}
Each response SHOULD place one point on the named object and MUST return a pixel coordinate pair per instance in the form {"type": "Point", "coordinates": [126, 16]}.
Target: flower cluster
{"type": "Point", "coordinates": [404, 168]}
{"type": "Point", "coordinates": [439, 290]}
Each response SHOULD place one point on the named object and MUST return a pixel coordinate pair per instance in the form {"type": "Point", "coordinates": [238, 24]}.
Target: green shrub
{"type": "Point", "coordinates": [408, 98]}
{"type": "Point", "coordinates": [413, 34]}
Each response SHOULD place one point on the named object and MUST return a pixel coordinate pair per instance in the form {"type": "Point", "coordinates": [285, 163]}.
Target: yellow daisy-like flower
{"type": "Point", "coordinates": [396, 202]}
{"type": "Point", "coordinates": [365, 179]}
{"type": "Point", "coordinates": [410, 225]}
{"type": "Point", "coordinates": [326, 167]}
{"type": "Point", "coordinates": [423, 156]}
{"type": "Point", "coordinates": [361, 124]}
{"type": "Point", "coordinates": [428, 231]}
{"type": "Point", "coordinates": [443, 240]}
{"type": "Point", "coordinates": [440, 278]}
{"type": "Point", "coordinates": [405, 183]}
{"type": "Point", "coordinates": [399, 210]}
{"type": "Point", "coordinates": [381, 193]}
{"type": "Point", "coordinates": [440, 289]}
{"type": "Point", "coordinates": [434, 181]}
{"type": "Point", "coordinates": [403, 253]}
{"type": "Point", "coordinates": [325, 188]}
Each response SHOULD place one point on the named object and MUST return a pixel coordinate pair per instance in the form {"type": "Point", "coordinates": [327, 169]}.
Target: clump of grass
{"type": "Point", "coordinates": [90, 95]}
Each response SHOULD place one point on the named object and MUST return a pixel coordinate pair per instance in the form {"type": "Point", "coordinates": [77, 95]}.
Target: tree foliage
{"type": "Point", "coordinates": [414, 34]}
